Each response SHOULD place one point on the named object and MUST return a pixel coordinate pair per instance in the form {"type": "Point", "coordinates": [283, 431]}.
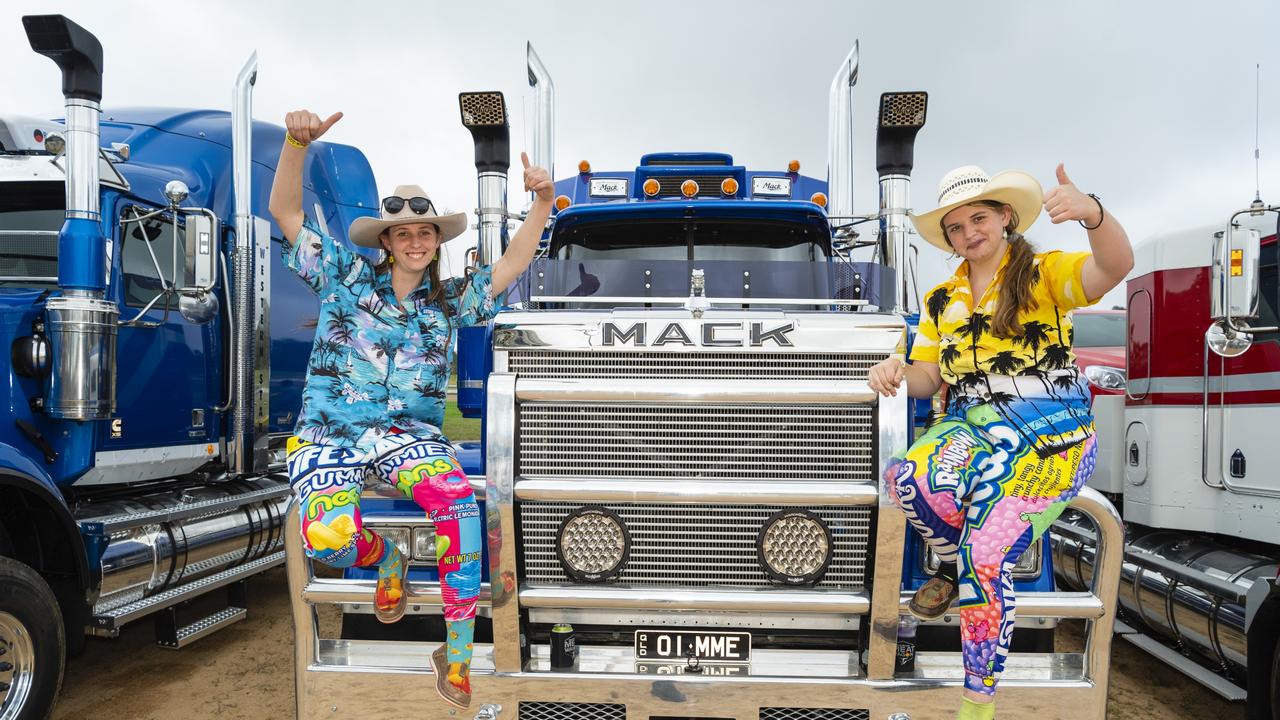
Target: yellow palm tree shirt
{"type": "Point", "coordinates": [955, 331]}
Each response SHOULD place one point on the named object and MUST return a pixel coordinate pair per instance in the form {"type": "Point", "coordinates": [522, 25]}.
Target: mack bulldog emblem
{"type": "Point", "coordinates": [708, 334]}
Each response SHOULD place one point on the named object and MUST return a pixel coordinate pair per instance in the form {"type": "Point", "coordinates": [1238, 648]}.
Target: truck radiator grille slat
{"type": "Point", "coordinates": [696, 442]}
{"type": "Point", "coordinates": [571, 711]}
{"type": "Point", "coordinates": [568, 364]}
{"type": "Point", "coordinates": [693, 545]}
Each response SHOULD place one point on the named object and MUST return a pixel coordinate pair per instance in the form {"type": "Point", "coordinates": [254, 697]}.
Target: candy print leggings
{"type": "Point", "coordinates": [977, 491]}
{"type": "Point", "coordinates": [328, 480]}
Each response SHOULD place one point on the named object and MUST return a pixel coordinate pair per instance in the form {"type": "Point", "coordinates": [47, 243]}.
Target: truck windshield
{"type": "Point", "coordinates": [743, 264]}
{"type": "Point", "coordinates": [692, 239]}
{"type": "Point", "coordinates": [30, 216]}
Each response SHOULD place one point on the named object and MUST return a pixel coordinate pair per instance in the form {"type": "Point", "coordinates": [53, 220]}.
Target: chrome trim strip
{"type": "Point", "coordinates": [807, 600]}
{"type": "Point", "coordinates": [695, 492]}
{"type": "Point", "coordinates": [1043, 604]}
{"type": "Point", "coordinates": [342, 590]}
{"type": "Point", "coordinates": [500, 519]}
{"type": "Point", "coordinates": [890, 541]}
{"type": "Point", "coordinates": [697, 391]}
{"type": "Point", "coordinates": [642, 301]}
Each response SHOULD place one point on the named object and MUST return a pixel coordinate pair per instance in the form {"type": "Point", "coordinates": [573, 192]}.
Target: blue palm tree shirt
{"type": "Point", "coordinates": [374, 364]}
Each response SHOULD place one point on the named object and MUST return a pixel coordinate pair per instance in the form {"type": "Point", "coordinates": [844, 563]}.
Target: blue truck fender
{"type": "Point", "coordinates": [19, 474]}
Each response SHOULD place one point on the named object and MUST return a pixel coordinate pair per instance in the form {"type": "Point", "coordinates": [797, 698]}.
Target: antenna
{"type": "Point", "coordinates": [1257, 154]}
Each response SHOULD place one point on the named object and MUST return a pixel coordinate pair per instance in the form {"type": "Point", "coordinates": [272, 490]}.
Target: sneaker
{"type": "Point", "coordinates": [391, 596]}
{"type": "Point", "coordinates": [459, 697]}
{"type": "Point", "coordinates": [934, 598]}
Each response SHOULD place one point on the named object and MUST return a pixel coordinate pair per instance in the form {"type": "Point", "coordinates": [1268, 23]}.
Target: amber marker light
{"type": "Point", "coordinates": [819, 199]}
{"type": "Point", "coordinates": [729, 186]}
{"type": "Point", "coordinates": [584, 167]}
{"type": "Point", "coordinates": [651, 187]}
{"type": "Point", "coordinates": [563, 202]}
{"type": "Point", "coordinates": [793, 166]}
{"type": "Point", "coordinates": [689, 188]}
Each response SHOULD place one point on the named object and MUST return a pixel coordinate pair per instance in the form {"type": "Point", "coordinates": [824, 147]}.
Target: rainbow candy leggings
{"type": "Point", "coordinates": [328, 481]}
{"type": "Point", "coordinates": [976, 490]}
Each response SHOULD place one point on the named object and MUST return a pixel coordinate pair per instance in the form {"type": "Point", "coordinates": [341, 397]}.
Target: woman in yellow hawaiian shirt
{"type": "Point", "coordinates": [1017, 441]}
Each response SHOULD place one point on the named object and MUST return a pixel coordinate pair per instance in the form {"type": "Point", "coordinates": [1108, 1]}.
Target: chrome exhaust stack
{"type": "Point", "coordinates": [251, 343]}
{"type": "Point", "coordinates": [544, 122]}
{"type": "Point", "coordinates": [840, 138]}
{"type": "Point", "coordinates": [485, 115]}
{"type": "Point", "coordinates": [81, 323]}
{"type": "Point", "coordinates": [901, 116]}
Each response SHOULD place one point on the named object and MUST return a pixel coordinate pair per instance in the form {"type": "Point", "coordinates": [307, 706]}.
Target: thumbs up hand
{"type": "Point", "coordinates": [536, 180]}
{"type": "Point", "coordinates": [1065, 202]}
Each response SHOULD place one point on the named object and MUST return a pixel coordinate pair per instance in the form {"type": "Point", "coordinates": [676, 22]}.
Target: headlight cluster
{"type": "Point", "coordinates": [1027, 567]}
{"type": "Point", "coordinates": [593, 544]}
{"type": "Point", "coordinates": [1106, 377]}
{"type": "Point", "coordinates": [795, 547]}
{"type": "Point", "coordinates": [417, 542]}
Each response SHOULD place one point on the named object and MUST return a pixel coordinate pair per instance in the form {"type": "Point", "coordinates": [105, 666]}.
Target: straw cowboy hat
{"type": "Point", "coordinates": [970, 184]}
{"type": "Point", "coordinates": [364, 231]}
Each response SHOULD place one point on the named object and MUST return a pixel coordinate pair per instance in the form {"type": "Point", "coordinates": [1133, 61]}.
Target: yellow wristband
{"type": "Point", "coordinates": [294, 141]}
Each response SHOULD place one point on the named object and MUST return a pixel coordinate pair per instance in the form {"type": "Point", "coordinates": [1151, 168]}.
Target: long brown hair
{"type": "Point", "coordinates": [1020, 273]}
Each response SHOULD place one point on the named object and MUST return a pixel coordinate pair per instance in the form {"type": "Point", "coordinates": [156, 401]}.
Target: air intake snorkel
{"type": "Point", "coordinates": [81, 323]}
{"type": "Point", "coordinates": [485, 115]}
{"type": "Point", "coordinates": [901, 117]}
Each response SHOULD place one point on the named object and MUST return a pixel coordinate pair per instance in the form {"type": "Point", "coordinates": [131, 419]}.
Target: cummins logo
{"type": "Point", "coordinates": [707, 334]}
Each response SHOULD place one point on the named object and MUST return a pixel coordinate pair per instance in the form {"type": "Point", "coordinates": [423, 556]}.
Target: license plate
{"type": "Point", "coordinates": [677, 646]}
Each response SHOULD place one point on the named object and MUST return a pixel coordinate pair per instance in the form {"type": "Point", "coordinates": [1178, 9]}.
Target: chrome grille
{"type": "Point", "coordinates": [693, 545]}
{"type": "Point", "coordinates": [571, 711]}
{"type": "Point", "coordinates": [779, 713]}
{"type": "Point", "coordinates": [694, 365]}
{"type": "Point", "coordinates": [669, 185]}
{"type": "Point", "coordinates": [702, 442]}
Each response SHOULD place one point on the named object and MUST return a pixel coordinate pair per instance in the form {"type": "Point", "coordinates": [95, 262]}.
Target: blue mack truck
{"type": "Point", "coordinates": [681, 458]}
{"type": "Point", "coordinates": [153, 363]}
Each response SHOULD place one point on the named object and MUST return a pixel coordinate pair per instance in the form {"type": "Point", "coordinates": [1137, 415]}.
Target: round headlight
{"type": "Point", "coordinates": [795, 547]}
{"type": "Point", "coordinates": [593, 544]}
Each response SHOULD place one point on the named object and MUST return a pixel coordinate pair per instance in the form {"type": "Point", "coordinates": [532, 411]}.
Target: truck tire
{"type": "Point", "coordinates": [32, 644]}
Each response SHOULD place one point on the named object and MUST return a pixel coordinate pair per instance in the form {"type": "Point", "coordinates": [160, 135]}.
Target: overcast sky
{"type": "Point", "coordinates": [1151, 105]}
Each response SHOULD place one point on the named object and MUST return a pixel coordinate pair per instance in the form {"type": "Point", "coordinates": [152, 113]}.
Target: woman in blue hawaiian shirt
{"type": "Point", "coordinates": [374, 396]}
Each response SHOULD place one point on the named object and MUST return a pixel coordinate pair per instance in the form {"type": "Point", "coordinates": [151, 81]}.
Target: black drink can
{"type": "Point", "coordinates": [564, 647]}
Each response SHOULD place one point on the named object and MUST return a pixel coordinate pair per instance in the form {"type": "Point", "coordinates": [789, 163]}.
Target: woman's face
{"type": "Point", "coordinates": [413, 245]}
{"type": "Point", "coordinates": [977, 231]}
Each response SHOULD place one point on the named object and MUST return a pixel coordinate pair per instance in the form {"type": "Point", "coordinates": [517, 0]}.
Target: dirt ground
{"type": "Point", "coordinates": [245, 671]}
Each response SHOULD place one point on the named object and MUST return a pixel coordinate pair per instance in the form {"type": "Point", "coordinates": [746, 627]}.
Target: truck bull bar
{"type": "Point", "coordinates": [348, 678]}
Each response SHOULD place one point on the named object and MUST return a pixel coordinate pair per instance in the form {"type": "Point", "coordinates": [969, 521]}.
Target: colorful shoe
{"type": "Point", "coordinates": [457, 695]}
{"type": "Point", "coordinates": [391, 596]}
{"type": "Point", "coordinates": [934, 598]}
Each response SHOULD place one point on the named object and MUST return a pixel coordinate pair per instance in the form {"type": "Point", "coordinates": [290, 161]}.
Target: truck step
{"type": "Point", "coordinates": [108, 623]}
{"type": "Point", "coordinates": [108, 524]}
{"type": "Point", "coordinates": [1181, 663]}
{"type": "Point", "coordinates": [191, 632]}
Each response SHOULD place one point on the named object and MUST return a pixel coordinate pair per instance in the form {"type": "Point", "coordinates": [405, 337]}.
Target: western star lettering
{"type": "Point", "coordinates": [708, 334]}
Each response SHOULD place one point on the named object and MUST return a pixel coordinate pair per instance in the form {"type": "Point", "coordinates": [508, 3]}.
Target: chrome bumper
{"type": "Point", "coordinates": [385, 677]}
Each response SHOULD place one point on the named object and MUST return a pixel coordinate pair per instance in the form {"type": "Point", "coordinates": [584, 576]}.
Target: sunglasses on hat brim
{"type": "Point", "coordinates": [419, 205]}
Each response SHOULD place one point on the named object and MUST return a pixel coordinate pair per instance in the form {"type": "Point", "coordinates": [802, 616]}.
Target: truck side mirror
{"type": "Point", "coordinates": [1233, 283]}
{"type": "Point", "coordinates": [1234, 275]}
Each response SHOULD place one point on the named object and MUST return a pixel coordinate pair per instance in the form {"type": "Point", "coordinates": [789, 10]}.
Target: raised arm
{"type": "Point", "coordinates": [521, 248]}
{"type": "Point", "coordinates": [285, 205]}
{"type": "Point", "coordinates": [1112, 254]}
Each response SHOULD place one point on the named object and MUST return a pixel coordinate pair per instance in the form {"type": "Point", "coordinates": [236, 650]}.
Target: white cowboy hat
{"type": "Point", "coordinates": [365, 230]}
{"type": "Point", "coordinates": [970, 184]}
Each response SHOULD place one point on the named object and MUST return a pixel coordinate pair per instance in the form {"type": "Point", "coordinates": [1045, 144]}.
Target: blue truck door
{"type": "Point", "coordinates": [169, 375]}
